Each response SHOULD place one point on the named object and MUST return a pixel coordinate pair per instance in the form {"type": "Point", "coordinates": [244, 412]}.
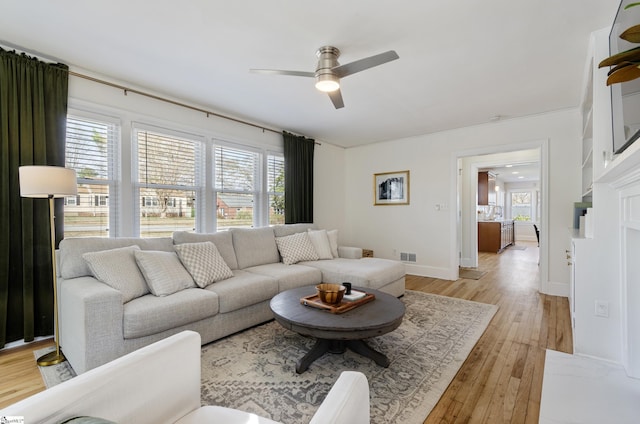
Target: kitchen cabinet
{"type": "Point", "coordinates": [494, 236]}
{"type": "Point", "coordinates": [486, 188]}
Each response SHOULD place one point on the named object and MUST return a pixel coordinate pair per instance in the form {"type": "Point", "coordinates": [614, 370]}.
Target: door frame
{"type": "Point", "coordinates": [459, 214]}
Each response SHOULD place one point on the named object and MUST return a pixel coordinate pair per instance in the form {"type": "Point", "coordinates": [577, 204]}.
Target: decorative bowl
{"type": "Point", "coordinates": [330, 293]}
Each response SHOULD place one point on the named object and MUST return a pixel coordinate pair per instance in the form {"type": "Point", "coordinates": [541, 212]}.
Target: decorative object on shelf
{"type": "Point", "coordinates": [49, 182]}
{"type": "Point", "coordinates": [367, 253]}
{"type": "Point", "coordinates": [391, 188]}
{"type": "Point", "coordinates": [626, 64]}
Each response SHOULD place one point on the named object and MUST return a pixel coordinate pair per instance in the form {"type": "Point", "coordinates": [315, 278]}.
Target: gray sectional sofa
{"type": "Point", "coordinates": [99, 323]}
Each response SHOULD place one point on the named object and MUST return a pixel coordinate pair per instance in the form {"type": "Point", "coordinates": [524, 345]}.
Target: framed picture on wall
{"type": "Point", "coordinates": [391, 188]}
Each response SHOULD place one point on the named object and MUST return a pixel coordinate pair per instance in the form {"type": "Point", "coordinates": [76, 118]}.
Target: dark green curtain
{"type": "Point", "coordinates": [33, 112]}
{"type": "Point", "coordinates": [298, 178]}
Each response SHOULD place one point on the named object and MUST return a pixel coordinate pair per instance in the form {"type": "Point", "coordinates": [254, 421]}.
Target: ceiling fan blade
{"type": "Point", "coordinates": [366, 63]}
{"type": "Point", "coordinates": [281, 72]}
{"type": "Point", "coordinates": [336, 99]}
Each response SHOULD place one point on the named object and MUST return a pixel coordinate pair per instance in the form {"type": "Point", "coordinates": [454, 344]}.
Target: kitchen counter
{"type": "Point", "coordinates": [494, 236]}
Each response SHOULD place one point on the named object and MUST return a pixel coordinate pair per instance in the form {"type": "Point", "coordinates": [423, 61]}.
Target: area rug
{"type": "Point", "coordinates": [471, 274]}
{"type": "Point", "coordinates": [54, 374]}
{"type": "Point", "coordinates": [255, 370]}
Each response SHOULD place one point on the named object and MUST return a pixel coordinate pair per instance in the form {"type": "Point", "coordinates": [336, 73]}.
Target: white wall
{"type": "Point", "coordinates": [344, 178]}
{"type": "Point", "coordinates": [420, 228]}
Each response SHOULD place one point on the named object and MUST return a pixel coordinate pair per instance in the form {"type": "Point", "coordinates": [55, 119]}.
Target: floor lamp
{"type": "Point", "coordinates": [49, 182]}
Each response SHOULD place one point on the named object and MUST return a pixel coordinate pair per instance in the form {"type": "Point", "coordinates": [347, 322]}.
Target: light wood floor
{"type": "Point", "coordinates": [501, 380]}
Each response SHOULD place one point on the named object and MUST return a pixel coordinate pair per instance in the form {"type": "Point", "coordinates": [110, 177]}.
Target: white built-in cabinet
{"type": "Point", "coordinates": [605, 275]}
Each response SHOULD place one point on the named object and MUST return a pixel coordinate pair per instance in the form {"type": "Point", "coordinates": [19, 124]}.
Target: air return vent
{"type": "Point", "coordinates": [407, 257]}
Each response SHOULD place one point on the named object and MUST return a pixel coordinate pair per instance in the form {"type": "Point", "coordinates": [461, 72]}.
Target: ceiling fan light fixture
{"type": "Point", "coordinates": [327, 83]}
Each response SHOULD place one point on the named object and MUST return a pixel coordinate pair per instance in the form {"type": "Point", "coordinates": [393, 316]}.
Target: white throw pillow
{"type": "Point", "coordinates": [163, 271]}
{"type": "Point", "coordinates": [321, 244]}
{"type": "Point", "coordinates": [118, 269]}
{"type": "Point", "coordinates": [295, 248]}
{"type": "Point", "coordinates": [204, 262]}
{"type": "Point", "coordinates": [333, 241]}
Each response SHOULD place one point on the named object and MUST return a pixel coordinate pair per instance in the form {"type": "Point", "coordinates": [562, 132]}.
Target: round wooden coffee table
{"type": "Point", "coordinates": [335, 333]}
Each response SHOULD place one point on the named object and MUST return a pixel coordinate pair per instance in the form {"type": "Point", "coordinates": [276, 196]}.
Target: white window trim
{"type": "Point", "coordinates": [122, 197]}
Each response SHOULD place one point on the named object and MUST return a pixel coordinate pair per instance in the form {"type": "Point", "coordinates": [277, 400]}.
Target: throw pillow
{"type": "Point", "coordinates": [204, 262]}
{"type": "Point", "coordinates": [296, 248]}
{"type": "Point", "coordinates": [333, 241]}
{"type": "Point", "coordinates": [163, 271]}
{"type": "Point", "coordinates": [118, 269]}
{"type": "Point", "coordinates": [320, 242]}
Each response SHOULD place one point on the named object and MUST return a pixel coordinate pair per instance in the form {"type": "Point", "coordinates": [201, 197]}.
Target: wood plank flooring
{"type": "Point", "coordinates": [501, 380]}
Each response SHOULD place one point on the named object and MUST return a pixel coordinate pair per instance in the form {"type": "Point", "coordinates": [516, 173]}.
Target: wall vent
{"type": "Point", "coordinates": [407, 257]}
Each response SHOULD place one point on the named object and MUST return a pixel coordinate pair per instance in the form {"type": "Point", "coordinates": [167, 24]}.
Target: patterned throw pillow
{"type": "Point", "coordinates": [321, 244]}
{"type": "Point", "coordinates": [163, 271]}
{"type": "Point", "coordinates": [204, 262]}
{"type": "Point", "coordinates": [118, 269]}
{"type": "Point", "coordinates": [295, 248]}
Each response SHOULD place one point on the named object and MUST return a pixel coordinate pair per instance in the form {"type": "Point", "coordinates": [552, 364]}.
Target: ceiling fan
{"type": "Point", "coordinates": [329, 71]}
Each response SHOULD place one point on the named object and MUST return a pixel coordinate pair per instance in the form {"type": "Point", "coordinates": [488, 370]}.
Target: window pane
{"type": "Point", "coordinates": [521, 206]}
{"type": "Point", "coordinates": [234, 210]}
{"type": "Point", "coordinates": [275, 186]}
{"type": "Point", "coordinates": [235, 169]}
{"type": "Point", "coordinates": [167, 180]}
{"type": "Point", "coordinates": [236, 182]}
{"type": "Point", "coordinates": [165, 160]}
{"type": "Point", "coordinates": [89, 148]}
{"type": "Point", "coordinates": [87, 214]}
{"type": "Point", "coordinates": [163, 211]}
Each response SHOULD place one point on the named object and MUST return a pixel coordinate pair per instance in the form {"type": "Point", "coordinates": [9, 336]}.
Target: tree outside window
{"type": "Point", "coordinates": [521, 205]}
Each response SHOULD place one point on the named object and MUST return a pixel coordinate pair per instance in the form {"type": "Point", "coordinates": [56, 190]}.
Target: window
{"type": "Point", "coordinates": [90, 149]}
{"type": "Point", "coordinates": [275, 188]}
{"type": "Point", "coordinates": [236, 186]}
{"type": "Point", "coordinates": [166, 182]}
{"type": "Point", "coordinates": [159, 180]}
{"type": "Point", "coordinates": [521, 205]}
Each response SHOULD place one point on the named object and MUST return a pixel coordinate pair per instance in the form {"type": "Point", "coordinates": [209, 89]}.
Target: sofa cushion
{"type": "Point", "coordinates": [365, 272]}
{"type": "Point", "coordinates": [244, 289]}
{"type": "Point", "coordinates": [118, 269]}
{"type": "Point", "coordinates": [295, 248]}
{"type": "Point", "coordinates": [150, 314]}
{"type": "Point", "coordinates": [320, 241]}
{"type": "Point", "coordinates": [254, 246]}
{"type": "Point", "coordinates": [163, 272]}
{"type": "Point", "coordinates": [203, 262]}
{"type": "Point", "coordinates": [289, 276]}
{"type": "Point", "coordinates": [71, 249]}
{"type": "Point", "coordinates": [222, 240]}
{"type": "Point", "coordinates": [288, 229]}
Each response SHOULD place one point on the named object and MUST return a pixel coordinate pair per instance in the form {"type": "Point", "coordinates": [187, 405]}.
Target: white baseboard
{"type": "Point", "coordinates": [553, 288]}
{"type": "Point", "coordinates": [430, 271]}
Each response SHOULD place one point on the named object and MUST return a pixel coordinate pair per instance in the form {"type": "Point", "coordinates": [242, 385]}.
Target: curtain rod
{"type": "Point", "coordinates": [142, 93]}
{"type": "Point", "coordinates": [208, 113]}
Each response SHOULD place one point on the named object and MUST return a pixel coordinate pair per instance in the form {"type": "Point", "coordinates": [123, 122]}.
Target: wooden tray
{"type": "Point", "coordinates": [344, 306]}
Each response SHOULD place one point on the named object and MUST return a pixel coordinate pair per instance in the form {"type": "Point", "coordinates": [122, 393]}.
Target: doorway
{"type": "Point", "coordinates": [529, 161]}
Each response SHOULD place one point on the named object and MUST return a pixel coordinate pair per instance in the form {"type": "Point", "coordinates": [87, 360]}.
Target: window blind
{"type": "Point", "coordinates": [167, 181]}
{"type": "Point", "coordinates": [91, 150]}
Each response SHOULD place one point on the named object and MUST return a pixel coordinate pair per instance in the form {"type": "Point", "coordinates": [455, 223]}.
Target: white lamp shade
{"type": "Point", "coordinates": [47, 181]}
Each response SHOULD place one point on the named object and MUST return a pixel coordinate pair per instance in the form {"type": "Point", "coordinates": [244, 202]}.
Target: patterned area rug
{"type": "Point", "coordinates": [255, 370]}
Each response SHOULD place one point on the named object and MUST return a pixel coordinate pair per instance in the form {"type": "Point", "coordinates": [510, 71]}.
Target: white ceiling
{"type": "Point", "coordinates": [461, 63]}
